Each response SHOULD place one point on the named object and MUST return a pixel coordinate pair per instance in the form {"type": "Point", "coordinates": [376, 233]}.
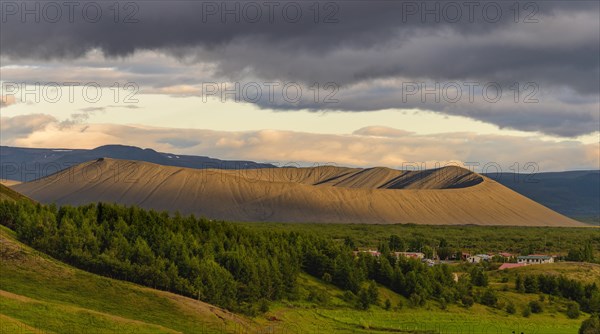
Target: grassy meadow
{"type": "Point", "coordinates": [337, 316]}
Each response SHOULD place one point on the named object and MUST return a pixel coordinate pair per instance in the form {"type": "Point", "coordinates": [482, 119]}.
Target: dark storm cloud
{"type": "Point", "coordinates": [553, 43]}
{"type": "Point", "coordinates": [552, 111]}
{"type": "Point", "coordinates": [358, 27]}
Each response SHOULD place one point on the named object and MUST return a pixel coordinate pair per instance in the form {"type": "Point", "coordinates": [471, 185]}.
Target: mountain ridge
{"type": "Point", "coordinates": [298, 194]}
{"type": "Point", "coordinates": [27, 164]}
{"type": "Point", "coordinates": [572, 193]}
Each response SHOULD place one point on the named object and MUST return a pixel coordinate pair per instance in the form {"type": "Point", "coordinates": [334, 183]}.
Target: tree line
{"type": "Point", "coordinates": [218, 262]}
{"type": "Point", "coordinates": [586, 295]}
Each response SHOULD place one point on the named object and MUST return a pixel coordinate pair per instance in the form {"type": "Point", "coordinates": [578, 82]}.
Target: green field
{"type": "Point", "coordinates": [340, 317]}
{"type": "Point", "coordinates": [584, 272]}
{"type": "Point", "coordinates": [38, 293]}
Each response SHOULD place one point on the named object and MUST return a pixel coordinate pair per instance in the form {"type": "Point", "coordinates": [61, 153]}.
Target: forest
{"type": "Point", "coordinates": [572, 244]}
{"type": "Point", "coordinates": [243, 269]}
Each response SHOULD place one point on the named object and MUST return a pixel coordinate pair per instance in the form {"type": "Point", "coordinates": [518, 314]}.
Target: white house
{"type": "Point", "coordinates": [478, 258]}
{"type": "Point", "coordinates": [535, 259]}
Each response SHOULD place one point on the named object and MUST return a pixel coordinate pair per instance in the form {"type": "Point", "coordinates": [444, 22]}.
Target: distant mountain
{"type": "Point", "coordinates": [26, 164]}
{"type": "Point", "coordinates": [574, 193]}
{"type": "Point", "coordinates": [446, 196]}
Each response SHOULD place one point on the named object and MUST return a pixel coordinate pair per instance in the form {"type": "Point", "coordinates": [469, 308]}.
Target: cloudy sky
{"type": "Point", "coordinates": [361, 83]}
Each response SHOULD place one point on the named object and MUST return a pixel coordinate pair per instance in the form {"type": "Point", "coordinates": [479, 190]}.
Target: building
{"type": "Point", "coordinates": [535, 259]}
{"type": "Point", "coordinates": [478, 258]}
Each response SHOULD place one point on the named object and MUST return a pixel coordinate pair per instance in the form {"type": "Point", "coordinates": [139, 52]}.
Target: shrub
{"type": "Point", "coordinates": [373, 293]}
{"type": "Point", "coordinates": [489, 298]}
{"type": "Point", "coordinates": [526, 311]}
{"type": "Point", "coordinates": [319, 297]}
{"type": "Point", "coordinates": [250, 310]}
{"type": "Point", "coordinates": [467, 301]}
{"type": "Point", "coordinates": [510, 308]}
{"type": "Point", "coordinates": [536, 307]}
{"type": "Point", "coordinates": [348, 296]}
{"type": "Point", "coordinates": [415, 300]}
{"type": "Point", "coordinates": [531, 284]}
{"type": "Point", "coordinates": [263, 306]}
{"type": "Point", "coordinates": [443, 304]}
{"type": "Point", "coordinates": [573, 310]}
{"type": "Point", "coordinates": [479, 277]}
{"type": "Point", "coordinates": [387, 305]}
{"type": "Point", "coordinates": [364, 299]}
{"type": "Point", "coordinates": [590, 326]}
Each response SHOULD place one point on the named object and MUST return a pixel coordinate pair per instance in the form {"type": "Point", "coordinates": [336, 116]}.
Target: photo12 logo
{"type": "Point", "coordinates": [469, 91]}
{"type": "Point", "coordinates": [469, 11]}
{"type": "Point", "coordinates": [270, 12]}
{"type": "Point", "coordinates": [272, 92]}
{"type": "Point", "coordinates": [69, 11]}
{"type": "Point", "coordinates": [71, 92]}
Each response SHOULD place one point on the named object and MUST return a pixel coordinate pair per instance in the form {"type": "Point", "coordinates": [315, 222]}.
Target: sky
{"type": "Point", "coordinates": [507, 85]}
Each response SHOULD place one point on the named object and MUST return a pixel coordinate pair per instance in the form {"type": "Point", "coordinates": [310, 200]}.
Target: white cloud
{"type": "Point", "coordinates": [23, 126]}
{"type": "Point", "coordinates": [369, 146]}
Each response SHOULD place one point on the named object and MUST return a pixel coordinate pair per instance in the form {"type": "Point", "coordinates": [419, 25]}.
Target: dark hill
{"type": "Point", "coordinates": [27, 164]}
{"type": "Point", "coordinates": [574, 193]}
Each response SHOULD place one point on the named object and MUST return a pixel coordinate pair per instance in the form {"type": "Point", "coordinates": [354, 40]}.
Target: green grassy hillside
{"type": "Point", "coordinates": [584, 272]}
{"type": "Point", "coordinates": [40, 294]}
{"type": "Point", "coordinates": [338, 316]}
{"type": "Point", "coordinates": [8, 194]}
